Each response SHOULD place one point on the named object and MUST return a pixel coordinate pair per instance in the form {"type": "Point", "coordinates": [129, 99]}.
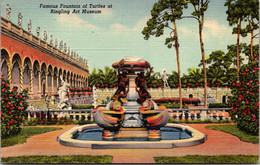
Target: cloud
{"type": "Point", "coordinates": [75, 21]}
{"type": "Point", "coordinates": [216, 30]}
{"type": "Point", "coordinates": [106, 13]}
{"type": "Point", "coordinates": [119, 28]}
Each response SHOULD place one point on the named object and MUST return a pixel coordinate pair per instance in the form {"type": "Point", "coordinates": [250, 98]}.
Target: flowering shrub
{"type": "Point", "coordinates": [13, 109]}
{"type": "Point", "coordinates": [177, 100]}
{"type": "Point", "coordinates": [245, 99]}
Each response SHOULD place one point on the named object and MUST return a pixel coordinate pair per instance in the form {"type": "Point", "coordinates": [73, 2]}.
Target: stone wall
{"type": "Point", "coordinates": [217, 93]}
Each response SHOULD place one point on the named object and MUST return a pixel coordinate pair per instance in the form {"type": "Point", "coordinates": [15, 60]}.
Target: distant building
{"type": "Point", "coordinates": [32, 63]}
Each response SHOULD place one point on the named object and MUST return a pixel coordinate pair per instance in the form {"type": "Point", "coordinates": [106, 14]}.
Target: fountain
{"type": "Point", "coordinates": [131, 117]}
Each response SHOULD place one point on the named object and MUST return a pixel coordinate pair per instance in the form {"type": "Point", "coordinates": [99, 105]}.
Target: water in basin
{"type": "Point", "coordinates": [168, 133]}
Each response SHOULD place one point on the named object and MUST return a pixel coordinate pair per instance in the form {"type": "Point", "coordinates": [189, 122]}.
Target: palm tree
{"type": "Point", "coordinates": [108, 77]}
{"type": "Point", "coordinates": [216, 75]}
{"type": "Point", "coordinates": [195, 75]}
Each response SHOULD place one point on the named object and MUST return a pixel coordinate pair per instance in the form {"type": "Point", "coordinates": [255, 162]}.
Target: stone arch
{"type": "Point", "coordinates": [36, 73]}
{"type": "Point", "coordinates": [16, 71]}
{"type": "Point", "coordinates": [224, 99]}
{"type": "Point", "coordinates": [49, 78]}
{"type": "Point", "coordinates": [5, 63]}
{"type": "Point", "coordinates": [43, 78]}
{"type": "Point", "coordinates": [27, 64]}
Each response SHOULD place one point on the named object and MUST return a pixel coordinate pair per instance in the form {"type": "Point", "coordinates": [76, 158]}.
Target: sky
{"type": "Point", "coordinates": [116, 32]}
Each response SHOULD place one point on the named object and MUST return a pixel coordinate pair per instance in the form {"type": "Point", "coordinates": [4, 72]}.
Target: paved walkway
{"type": "Point", "coordinates": [217, 143]}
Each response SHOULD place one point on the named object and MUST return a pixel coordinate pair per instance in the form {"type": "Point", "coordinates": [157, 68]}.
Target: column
{"type": "Point", "coordinates": [57, 82]}
{"type": "Point", "coordinates": [31, 81]}
{"type": "Point", "coordinates": [46, 82]}
{"type": "Point", "coordinates": [40, 82]}
{"type": "Point", "coordinates": [52, 83]}
{"type": "Point", "coordinates": [9, 73]}
{"type": "Point", "coordinates": [21, 78]}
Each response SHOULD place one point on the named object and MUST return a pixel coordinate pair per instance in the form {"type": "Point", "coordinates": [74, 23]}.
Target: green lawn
{"type": "Point", "coordinates": [208, 159]}
{"type": "Point", "coordinates": [232, 129]}
{"type": "Point", "coordinates": [25, 133]}
{"type": "Point", "coordinates": [59, 159]}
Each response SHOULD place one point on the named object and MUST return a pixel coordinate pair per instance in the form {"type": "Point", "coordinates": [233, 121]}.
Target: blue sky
{"type": "Point", "coordinates": [116, 33]}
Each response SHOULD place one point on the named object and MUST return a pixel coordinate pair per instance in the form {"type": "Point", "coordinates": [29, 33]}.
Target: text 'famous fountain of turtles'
{"type": "Point", "coordinates": [131, 113]}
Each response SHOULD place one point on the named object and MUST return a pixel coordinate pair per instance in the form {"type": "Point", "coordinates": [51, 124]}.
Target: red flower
{"type": "Point", "coordinates": [10, 112]}
{"type": "Point", "coordinates": [244, 73]}
{"type": "Point", "coordinates": [8, 123]}
{"type": "Point", "coordinates": [16, 117]}
{"type": "Point", "coordinates": [16, 96]}
{"type": "Point", "coordinates": [250, 82]}
{"type": "Point", "coordinates": [246, 92]}
{"type": "Point", "coordinates": [7, 106]}
{"type": "Point", "coordinates": [233, 84]}
{"type": "Point", "coordinates": [247, 70]}
{"type": "Point", "coordinates": [21, 102]}
{"type": "Point", "coordinates": [20, 96]}
{"type": "Point", "coordinates": [247, 102]}
{"type": "Point", "coordinates": [3, 117]}
{"type": "Point", "coordinates": [6, 98]}
{"type": "Point", "coordinates": [3, 90]}
{"type": "Point", "coordinates": [8, 127]}
{"type": "Point", "coordinates": [249, 85]}
{"type": "Point", "coordinates": [243, 82]}
{"type": "Point", "coordinates": [256, 82]}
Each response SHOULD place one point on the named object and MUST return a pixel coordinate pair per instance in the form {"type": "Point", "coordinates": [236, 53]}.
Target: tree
{"type": "Point", "coordinates": [245, 99]}
{"type": "Point", "coordinates": [94, 78]}
{"type": "Point", "coordinates": [200, 6]}
{"type": "Point", "coordinates": [163, 13]}
{"type": "Point", "coordinates": [13, 109]}
{"type": "Point", "coordinates": [154, 79]}
{"type": "Point", "coordinates": [173, 79]}
{"type": "Point", "coordinates": [108, 76]}
{"type": "Point", "coordinates": [216, 75]}
{"type": "Point", "coordinates": [238, 11]}
{"type": "Point", "coordinates": [253, 20]}
{"type": "Point", "coordinates": [195, 75]}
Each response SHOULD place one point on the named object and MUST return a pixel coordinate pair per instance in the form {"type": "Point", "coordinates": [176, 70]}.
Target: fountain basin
{"type": "Point", "coordinates": [67, 139]}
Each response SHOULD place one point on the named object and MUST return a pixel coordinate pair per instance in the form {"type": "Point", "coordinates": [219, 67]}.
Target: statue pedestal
{"type": "Point", "coordinates": [132, 118]}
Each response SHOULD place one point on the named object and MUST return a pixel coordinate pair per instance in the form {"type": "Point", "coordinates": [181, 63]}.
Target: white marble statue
{"type": "Point", "coordinates": [8, 12]}
{"type": "Point", "coordinates": [165, 79]}
{"type": "Point", "coordinates": [38, 31]}
{"type": "Point", "coordinates": [56, 43]}
{"type": "Point", "coordinates": [63, 90]}
{"type": "Point", "coordinates": [45, 35]}
{"type": "Point", "coordinates": [51, 39]}
{"type": "Point", "coordinates": [29, 25]}
{"type": "Point", "coordinates": [20, 17]}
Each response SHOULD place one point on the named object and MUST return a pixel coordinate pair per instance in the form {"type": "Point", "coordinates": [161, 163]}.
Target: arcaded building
{"type": "Point", "coordinates": [32, 63]}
